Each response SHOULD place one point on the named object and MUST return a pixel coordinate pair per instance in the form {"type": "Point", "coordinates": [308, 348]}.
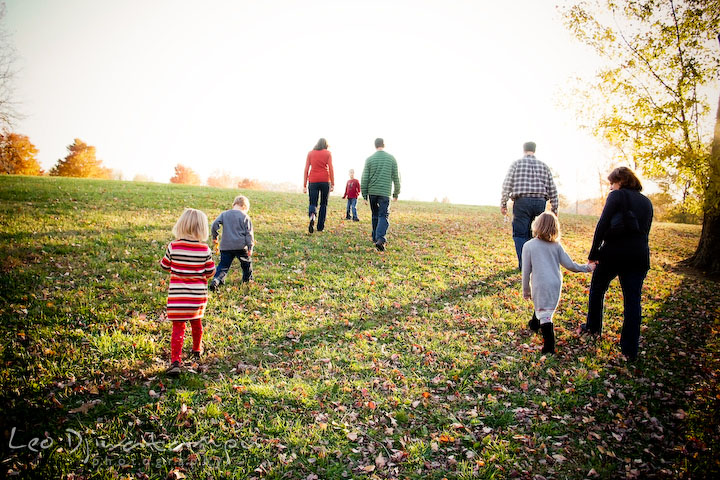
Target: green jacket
{"type": "Point", "coordinates": [379, 175]}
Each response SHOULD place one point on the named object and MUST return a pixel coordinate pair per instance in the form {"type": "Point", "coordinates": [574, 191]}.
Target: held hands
{"type": "Point", "coordinates": [503, 210]}
{"type": "Point", "coordinates": [592, 265]}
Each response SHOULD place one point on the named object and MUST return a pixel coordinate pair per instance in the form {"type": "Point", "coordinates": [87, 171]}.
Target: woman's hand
{"type": "Point", "coordinates": [304, 189]}
{"type": "Point", "coordinates": [332, 187]}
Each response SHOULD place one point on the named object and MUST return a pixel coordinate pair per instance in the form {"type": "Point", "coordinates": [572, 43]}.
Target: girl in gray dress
{"type": "Point", "coordinates": [541, 275]}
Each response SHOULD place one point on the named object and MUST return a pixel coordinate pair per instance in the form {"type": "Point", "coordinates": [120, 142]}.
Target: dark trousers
{"type": "Point", "coordinates": [631, 282]}
{"type": "Point", "coordinates": [525, 209]}
{"type": "Point", "coordinates": [321, 190]}
{"type": "Point", "coordinates": [380, 208]}
{"type": "Point", "coordinates": [226, 259]}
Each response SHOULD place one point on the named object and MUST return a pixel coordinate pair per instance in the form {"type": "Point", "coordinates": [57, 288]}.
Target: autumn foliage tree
{"type": "Point", "coordinates": [249, 184]}
{"type": "Point", "coordinates": [18, 155]}
{"type": "Point", "coordinates": [185, 175]}
{"type": "Point", "coordinates": [222, 180]}
{"type": "Point", "coordinates": [649, 100]}
{"type": "Point", "coordinates": [80, 162]}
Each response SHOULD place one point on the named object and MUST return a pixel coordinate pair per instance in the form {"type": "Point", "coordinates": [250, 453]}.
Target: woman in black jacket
{"type": "Point", "coordinates": [620, 249]}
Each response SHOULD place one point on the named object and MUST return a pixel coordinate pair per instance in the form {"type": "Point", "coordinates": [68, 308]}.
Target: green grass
{"type": "Point", "coordinates": [338, 361]}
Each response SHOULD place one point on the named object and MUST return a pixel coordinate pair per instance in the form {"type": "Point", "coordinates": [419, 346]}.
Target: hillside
{"type": "Point", "coordinates": [338, 361]}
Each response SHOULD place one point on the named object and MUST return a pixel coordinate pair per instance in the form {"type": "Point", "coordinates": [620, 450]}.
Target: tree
{"type": "Point", "coordinates": [185, 175]}
{"type": "Point", "coordinates": [249, 184]}
{"type": "Point", "coordinates": [706, 256]}
{"type": "Point", "coordinates": [7, 74]}
{"type": "Point", "coordinates": [648, 101]}
{"type": "Point", "coordinates": [18, 155]}
{"type": "Point", "coordinates": [80, 162]}
{"type": "Point", "coordinates": [142, 178]}
{"type": "Point", "coordinates": [222, 180]}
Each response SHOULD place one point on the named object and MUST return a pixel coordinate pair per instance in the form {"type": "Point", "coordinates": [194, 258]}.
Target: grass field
{"type": "Point", "coordinates": [338, 361]}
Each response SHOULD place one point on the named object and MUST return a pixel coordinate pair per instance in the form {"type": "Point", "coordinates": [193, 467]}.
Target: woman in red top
{"type": "Point", "coordinates": [319, 181]}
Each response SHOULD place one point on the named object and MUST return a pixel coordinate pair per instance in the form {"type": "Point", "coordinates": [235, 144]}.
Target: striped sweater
{"type": "Point", "coordinates": [379, 175]}
{"type": "Point", "coordinates": [190, 265]}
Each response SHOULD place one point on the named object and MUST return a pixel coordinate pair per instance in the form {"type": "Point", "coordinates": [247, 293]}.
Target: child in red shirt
{"type": "Point", "coordinates": [352, 191]}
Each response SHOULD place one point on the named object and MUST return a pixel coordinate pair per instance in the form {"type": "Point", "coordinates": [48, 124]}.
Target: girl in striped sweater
{"type": "Point", "coordinates": [189, 261]}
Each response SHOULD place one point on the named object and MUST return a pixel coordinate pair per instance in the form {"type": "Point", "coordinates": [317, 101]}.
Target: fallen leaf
{"type": "Point", "coordinates": [85, 407]}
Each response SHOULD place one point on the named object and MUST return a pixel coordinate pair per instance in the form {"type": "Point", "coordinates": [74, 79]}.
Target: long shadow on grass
{"type": "Point", "coordinates": [681, 344]}
{"type": "Point", "coordinates": [382, 317]}
{"type": "Point", "coordinates": [671, 404]}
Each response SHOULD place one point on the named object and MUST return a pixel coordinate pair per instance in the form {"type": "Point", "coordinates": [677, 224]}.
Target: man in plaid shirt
{"type": "Point", "coordinates": [529, 183]}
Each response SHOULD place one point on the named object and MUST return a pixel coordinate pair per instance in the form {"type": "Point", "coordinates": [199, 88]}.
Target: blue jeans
{"type": "Point", "coordinates": [322, 190]}
{"type": "Point", "coordinates": [226, 259]}
{"type": "Point", "coordinates": [380, 208]}
{"type": "Point", "coordinates": [525, 209]}
{"type": "Point", "coordinates": [631, 282]}
{"type": "Point", "coordinates": [351, 205]}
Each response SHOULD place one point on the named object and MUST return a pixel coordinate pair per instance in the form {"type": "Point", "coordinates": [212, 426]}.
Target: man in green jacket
{"type": "Point", "coordinates": [378, 177]}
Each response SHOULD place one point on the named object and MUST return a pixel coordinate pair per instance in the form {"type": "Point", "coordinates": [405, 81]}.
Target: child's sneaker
{"type": "Point", "coordinates": [174, 369]}
{"type": "Point", "coordinates": [214, 285]}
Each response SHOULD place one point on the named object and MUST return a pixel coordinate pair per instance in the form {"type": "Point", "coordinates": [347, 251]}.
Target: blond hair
{"type": "Point", "coordinates": [192, 225]}
{"type": "Point", "coordinates": [546, 227]}
{"type": "Point", "coordinates": [243, 202]}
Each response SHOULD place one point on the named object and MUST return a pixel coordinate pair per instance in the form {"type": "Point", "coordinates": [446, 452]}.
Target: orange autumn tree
{"type": "Point", "coordinates": [80, 162]}
{"type": "Point", "coordinates": [221, 179]}
{"type": "Point", "coordinates": [18, 155]}
{"type": "Point", "coordinates": [185, 175]}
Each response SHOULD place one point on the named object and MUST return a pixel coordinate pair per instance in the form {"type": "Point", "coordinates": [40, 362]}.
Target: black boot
{"type": "Point", "coordinates": [534, 323]}
{"type": "Point", "coordinates": [548, 334]}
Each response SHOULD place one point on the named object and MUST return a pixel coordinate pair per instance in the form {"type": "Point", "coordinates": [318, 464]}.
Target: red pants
{"type": "Point", "coordinates": [178, 337]}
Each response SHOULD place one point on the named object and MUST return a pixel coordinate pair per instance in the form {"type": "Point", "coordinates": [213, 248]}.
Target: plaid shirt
{"type": "Point", "coordinates": [529, 177]}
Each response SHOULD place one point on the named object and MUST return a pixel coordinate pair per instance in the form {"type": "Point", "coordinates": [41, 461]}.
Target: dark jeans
{"type": "Point", "coordinates": [351, 205]}
{"type": "Point", "coordinates": [226, 259]}
{"type": "Point", "coordinates": [525, 209]}
{"type": "Point", "coordinates": [380, 208]}
{"type": "Point", "coordinates": [631, 283]}
{"type": "Point", "coordinates": [321, 189]}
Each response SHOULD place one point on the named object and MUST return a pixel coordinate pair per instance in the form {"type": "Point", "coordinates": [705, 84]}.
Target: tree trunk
{"type": "Point", "coordinates": [707, 255]}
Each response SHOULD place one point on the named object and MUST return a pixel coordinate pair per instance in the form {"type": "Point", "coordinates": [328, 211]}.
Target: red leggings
{"type": "Point", "coordinates": [178, 337]}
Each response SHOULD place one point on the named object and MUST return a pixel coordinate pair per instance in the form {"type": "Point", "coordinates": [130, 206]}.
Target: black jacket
{"type": "Point", "coordinates": [627, 250]}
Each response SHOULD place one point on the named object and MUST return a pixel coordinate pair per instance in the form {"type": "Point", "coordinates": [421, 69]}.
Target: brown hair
{"type": "Point", "coordinates": [626, 178]}
{"type": "Point", "coordinates": [546, 227]}
{"type": "Point", "coordinates": [321, 145]}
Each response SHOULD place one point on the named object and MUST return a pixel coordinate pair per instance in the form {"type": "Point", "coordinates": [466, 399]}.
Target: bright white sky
{"type": "Point", "coordinates": [248, 86]}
